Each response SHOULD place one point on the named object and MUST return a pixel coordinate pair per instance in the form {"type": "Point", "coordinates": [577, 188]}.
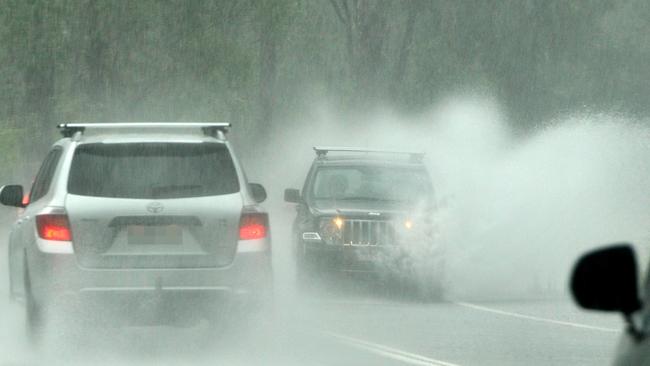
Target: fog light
{"type": "Point", "coordinates": [311, 236]}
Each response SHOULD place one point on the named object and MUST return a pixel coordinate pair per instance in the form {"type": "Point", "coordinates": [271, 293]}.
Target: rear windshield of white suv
{"type": "Point", "coordinates": [152, 170]}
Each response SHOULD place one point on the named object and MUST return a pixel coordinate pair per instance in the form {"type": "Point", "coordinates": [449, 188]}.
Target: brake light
{"type": "Point", "coordinates": [53, 227]}
{"type": "Point", "coordinates": [253, 225]}
{"type": "Point", "coordinates": [25, 200]}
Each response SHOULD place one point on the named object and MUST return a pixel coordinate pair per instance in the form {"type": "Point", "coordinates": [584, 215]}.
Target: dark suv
{"type": "Point", "coordinates": [368, 211]}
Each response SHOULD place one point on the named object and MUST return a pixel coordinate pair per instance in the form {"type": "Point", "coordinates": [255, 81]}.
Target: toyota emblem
{"type": "Point", "coordinates": [155, 207]}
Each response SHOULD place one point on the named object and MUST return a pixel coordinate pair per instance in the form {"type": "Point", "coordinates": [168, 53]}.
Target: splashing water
{"type": "Point", "coordinates": [514, 213]}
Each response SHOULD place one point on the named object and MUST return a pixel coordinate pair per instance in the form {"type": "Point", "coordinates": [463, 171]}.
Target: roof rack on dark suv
{"type": "Point", "coordinates": [321, 151]}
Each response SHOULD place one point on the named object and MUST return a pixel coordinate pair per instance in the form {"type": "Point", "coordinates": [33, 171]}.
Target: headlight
{"type": "Point", "coordinates": [338, 222]}
{"type": "Point", "coordinates": [331, 230]}
{"type": "Point", "coordinates": [414, 227]}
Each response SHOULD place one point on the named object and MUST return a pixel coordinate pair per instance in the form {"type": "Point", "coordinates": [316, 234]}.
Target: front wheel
{"type": "Point", "coordinates": [311, 269]}
{"type": "Point", "coordinates": [429, 291]}
{"type": "Point", "coordinates": [304, 274]}
{"type": "Point", "coordinates": [424, 283]}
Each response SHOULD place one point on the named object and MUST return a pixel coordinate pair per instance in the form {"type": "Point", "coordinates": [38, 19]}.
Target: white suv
{"type": "Point", "coordinates": [139, 218]}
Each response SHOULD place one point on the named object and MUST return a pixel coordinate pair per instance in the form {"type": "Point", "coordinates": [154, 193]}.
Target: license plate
{"type": "Point", "coordinates": [154, 235]}
{"type": "Point", "coordinates": [366, 255]}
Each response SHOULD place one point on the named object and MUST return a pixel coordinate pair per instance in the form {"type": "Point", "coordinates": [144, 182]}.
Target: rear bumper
{"type": "Point", "coordinates": [58, 277]}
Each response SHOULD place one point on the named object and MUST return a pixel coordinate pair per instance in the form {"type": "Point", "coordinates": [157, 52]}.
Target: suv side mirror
{"type": "Point", "coordinates": [292, 195]}
{"type": "Point", "coordinates": [12, 195]}
{"type": "Point", "coordinates": [606, 280]}
{"type": "Point", "coordinates": [258, 192]}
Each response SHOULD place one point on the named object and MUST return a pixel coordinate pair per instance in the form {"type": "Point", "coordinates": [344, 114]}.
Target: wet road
{"type": "Point", "coordinates": [327, 331]}
{"type": "Point", "coordinates": [346, 330]}
{"type": "Point", "coordinates": [351, 323]}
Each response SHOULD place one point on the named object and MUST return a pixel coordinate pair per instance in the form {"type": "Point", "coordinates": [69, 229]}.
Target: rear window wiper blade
{"type": "Point", "coordinates": [163, 190]}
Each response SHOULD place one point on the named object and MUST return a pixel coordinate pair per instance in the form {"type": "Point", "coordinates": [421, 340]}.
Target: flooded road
{"type": "Point", "coordinates": [353, 323]}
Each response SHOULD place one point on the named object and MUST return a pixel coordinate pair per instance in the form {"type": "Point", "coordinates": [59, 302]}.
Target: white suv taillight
{"type": "Point", "coordinates": [253, 225]}
{"type": "Point", "coordinates": [54, 227]}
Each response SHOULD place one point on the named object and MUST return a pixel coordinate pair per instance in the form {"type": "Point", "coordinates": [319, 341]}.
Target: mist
{"type": "Point", "coordinates": [533, 117]}
{"type": "Point", "coordinates": [513, 214]}
{"type": "Point", "coordinates": [514, 211]}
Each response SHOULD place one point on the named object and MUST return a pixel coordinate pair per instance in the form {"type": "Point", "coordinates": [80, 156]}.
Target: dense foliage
{"type": "Point", "coordinates": [250, 61]}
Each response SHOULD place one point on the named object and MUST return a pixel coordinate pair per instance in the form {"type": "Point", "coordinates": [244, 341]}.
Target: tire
{"type": "Point", "coordinates": [302, 273]}
{"type": "Point", "coordinates": [428, 287]}
{"type": "Point", "coordinates": [307, 272]}
{"type": "Point", "coordinates": [429, 292]}
{"type": "Point", "coordinates": [236, 318]}
{"type": "Point", "coordinates": [429, 280]}
{"type": "Point", "coordinates": [34, 315]}
{"type": "Point", "coordinates": [41, 318]}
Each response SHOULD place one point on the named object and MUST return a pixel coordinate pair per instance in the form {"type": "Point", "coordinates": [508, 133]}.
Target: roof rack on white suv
{"type": "Point", "coordinates": [215, 129]}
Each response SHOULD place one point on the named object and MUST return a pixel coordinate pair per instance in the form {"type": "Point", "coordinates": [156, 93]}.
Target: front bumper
{"type": "Point", "coordinates": [400, 257]}
{"type": "Point", "coordinates": [351, 258]}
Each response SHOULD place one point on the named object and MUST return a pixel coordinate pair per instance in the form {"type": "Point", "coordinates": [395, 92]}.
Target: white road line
{"type": "Point", "coordinates": [389, 352]}
{"type": "Point", "coordinates": [535, 318]}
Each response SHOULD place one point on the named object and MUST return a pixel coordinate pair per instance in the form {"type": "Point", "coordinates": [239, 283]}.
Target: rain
{"type": "Point", "coordinates": [469, 155]}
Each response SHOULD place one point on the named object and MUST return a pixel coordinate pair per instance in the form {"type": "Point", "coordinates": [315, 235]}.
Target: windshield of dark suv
{"type": "Point", "coordinates": [372, 183]}
{"type": "Point", "coordinates": [152, 170]}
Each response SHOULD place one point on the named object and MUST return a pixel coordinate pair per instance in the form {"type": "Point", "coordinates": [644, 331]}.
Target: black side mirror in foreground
{"type": "Point", "coordinates": [12, 195]}
{"type": "Point", "coordinates": [606, 280]}
{"type": "Point", "coordinates": [258, 192]}
{"type": "Point", "coordinates": [292, 195]}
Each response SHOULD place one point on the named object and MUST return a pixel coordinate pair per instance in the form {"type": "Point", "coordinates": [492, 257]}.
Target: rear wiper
{"type": "Point", "coordinates": [157, 191]}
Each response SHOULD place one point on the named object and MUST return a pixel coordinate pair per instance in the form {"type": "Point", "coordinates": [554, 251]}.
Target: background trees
{"type": "Point", "coordinates": [249, 61]}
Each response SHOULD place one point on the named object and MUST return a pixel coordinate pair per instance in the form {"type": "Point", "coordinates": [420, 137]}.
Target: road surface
{"type": "Point", "coordinates": [349, 323]}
